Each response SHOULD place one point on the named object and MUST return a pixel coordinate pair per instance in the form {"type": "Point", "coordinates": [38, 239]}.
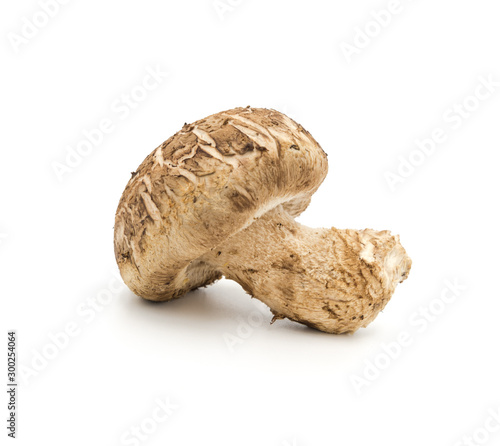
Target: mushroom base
{"type": "Point", "coordinates": [333, 280]}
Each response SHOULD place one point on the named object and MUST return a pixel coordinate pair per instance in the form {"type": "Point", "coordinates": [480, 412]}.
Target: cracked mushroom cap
{"type": "Point", "coordinates": [209, 181]}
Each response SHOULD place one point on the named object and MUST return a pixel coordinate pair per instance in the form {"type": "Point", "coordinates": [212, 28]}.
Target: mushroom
{"type": "Point", "coordinates": [219, 198]}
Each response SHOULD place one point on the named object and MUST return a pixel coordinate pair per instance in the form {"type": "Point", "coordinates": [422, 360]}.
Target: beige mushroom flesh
{"type": "Point", "coordinates": [219, 198]}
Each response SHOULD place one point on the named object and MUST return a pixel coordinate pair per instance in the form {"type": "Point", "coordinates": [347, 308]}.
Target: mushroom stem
{"type": "Point", "coordinates": [333, 280]}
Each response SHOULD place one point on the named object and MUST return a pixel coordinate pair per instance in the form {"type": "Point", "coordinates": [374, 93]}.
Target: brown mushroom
{"type": "Point", "coordinates": [219, 199]}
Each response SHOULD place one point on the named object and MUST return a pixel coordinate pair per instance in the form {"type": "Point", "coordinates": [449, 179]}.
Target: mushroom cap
{"type": "Point", "coordinates": [209, 181]}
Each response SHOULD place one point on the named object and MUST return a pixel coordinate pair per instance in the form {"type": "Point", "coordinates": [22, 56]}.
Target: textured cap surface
{"type": "Point", "coordinates": [204, 184]}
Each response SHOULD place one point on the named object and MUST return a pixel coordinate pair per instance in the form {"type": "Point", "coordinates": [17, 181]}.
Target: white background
{"type": "Point", "coordinates": [281, 384]}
